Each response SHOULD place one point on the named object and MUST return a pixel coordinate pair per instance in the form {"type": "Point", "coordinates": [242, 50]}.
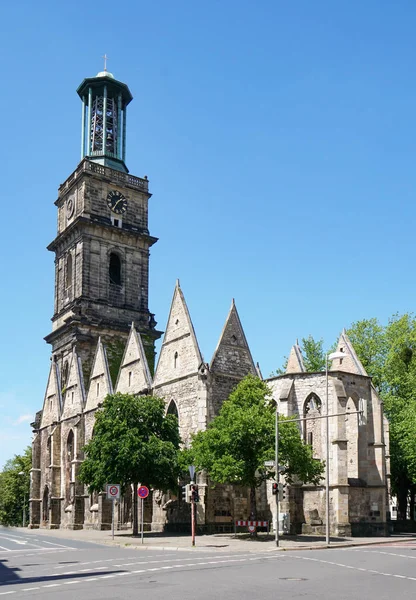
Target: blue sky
{"type": "Point", "coordinates": [279, 140]}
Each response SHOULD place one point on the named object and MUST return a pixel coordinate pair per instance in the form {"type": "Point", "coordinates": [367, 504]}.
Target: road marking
{"type": "Point", "coordinates": [14, 540]}
{"type": "Point", "coordinates": [388, 553]}
{"type": "Point", "coordinates": [153, 569]}
{"type": "Point", "coordinates": [55, 544]}
{"type": "Point", "coordinates": [327, 562]}
{"type": "Point", "coordinates": [30, 589]}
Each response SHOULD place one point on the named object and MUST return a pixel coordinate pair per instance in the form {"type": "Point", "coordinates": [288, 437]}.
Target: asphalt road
{"type": "Point", "coordinates": [36, 566]}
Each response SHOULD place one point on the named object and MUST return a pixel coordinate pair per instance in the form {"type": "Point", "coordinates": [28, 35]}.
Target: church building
{"type": "Point", "coordinates": [103, 341]}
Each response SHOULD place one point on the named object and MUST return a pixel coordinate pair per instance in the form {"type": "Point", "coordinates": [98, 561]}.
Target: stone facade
{"type": "Point", "coordinates": [195, 390]}
{"type": "Point", "coordinates": [102, 341]}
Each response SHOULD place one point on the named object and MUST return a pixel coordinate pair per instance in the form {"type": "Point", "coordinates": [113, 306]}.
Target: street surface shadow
{"type": "Point", "coordinates": [7, 573]}
{"type": "Point", "coordinates": [13, 580]}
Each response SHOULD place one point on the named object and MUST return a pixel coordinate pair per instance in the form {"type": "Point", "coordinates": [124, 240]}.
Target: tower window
{"type": "Point", "coordinates": [129, 378]}
{"type": "Point", "coordinates": [98, 389]}
{"type": "Point", "coordinates": [115, 269]}
{"type": "Point", "coordinates": [68, 275]}
{"type": "Point", "coordinates": [175, 360]}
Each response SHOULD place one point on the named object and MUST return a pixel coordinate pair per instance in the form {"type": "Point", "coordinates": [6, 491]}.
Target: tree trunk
{"type": "Point", "coordinates": [253, 504]}
{"type": "Point", "coordinates": [412, 502]}
{"type": "Point", "coordinates": [402, 501]}
{"type": "Point", "coordinates": [135, 520]}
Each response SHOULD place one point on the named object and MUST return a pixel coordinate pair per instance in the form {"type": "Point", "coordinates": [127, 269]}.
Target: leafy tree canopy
{"type": "Point", "coordinates": [241, 438]}
{"type": "Point", "coordinates": [388, 353]}
{"type": "Point", "coordinates": [14, 488]}
{"type": "Point", "coordinates": [313, 356]}
{"type": "Point", "coordinates": [133, 442]}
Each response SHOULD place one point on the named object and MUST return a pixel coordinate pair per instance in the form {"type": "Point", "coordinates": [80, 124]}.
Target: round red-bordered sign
{"type": "Point", "coordinates": [113, 491]}
{"type": "Point", "coordinates": [143, 492]}
{"type": "Point", "coordinates": [251, 528]}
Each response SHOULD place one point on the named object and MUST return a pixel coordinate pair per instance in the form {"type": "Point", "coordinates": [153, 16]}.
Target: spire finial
{"type": "Point", "coordinates": [105, 57]}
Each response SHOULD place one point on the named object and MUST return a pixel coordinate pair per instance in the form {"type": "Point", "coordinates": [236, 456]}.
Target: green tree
{"type": "Point", "coordinates": [368, 337]}
{"type": "Point", "coordinates": [313, 354]}
{"type": "Point", "coordinates": [241, 438]}
{"type": "Point", "coordinates": [15, 487]}
{"type": "Point", "coordinates": [133, 442]}
{"type": "Point", "coordinates": [389, 356]}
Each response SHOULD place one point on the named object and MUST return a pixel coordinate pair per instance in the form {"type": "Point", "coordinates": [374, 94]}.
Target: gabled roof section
{"type": "Point", "coordinates": [100, 380]}
{"type": "Point", "coordinates": [74, 398]}
{"type": "Point", "coordinates": [52, 404]}
{"type": "Point", "coordinates": [350, 363]}
{"type": "Point", "coordinates": [134, 375]}
{"type": "Point", "coordinates": [295, 360]}
{"type": "Point", "coordinates": [180, 354]}
{"type": "Point", "coordinates": [232, 355]}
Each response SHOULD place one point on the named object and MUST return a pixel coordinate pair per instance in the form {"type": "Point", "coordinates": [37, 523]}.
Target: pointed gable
{"type": "Point", "coordinates": [100, 380]}
{"type": "Point", "coordinates": [350, 363]}
{"type": "Point", "coordinates": [179, 354]}
{"type": "Point", "coordinates": [74, 399]}
{"type": "Point", "coordinates": [295, 360]}
{"type": "Point", "coordinates": [232, 355]}
{"type": "Point", "coordinates": [134, 376]}
{"type": "Point", "coordinates": [52, 404]}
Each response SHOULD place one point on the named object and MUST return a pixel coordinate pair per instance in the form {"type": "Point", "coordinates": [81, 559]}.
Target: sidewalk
{"type": "Point", "coordinates": [217, 542]}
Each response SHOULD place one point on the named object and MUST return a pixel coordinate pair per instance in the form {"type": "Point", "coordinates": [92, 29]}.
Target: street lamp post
{"type": "Point", "coordinates": [24, 501]}
{"type": "Point", "coordinates": [276, 533]}
{"type": "Point", "coordinates": [331, 356]}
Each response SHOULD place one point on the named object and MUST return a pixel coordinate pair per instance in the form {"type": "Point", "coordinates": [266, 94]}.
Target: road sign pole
{"type": "Point", "coordinates": [192, 516]}
{"type": "Point", "coordinates": [142, 519]}
{"type": "Point", "coordinates": [112, 517]}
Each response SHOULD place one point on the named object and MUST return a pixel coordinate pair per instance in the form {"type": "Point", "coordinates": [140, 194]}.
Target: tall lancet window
{"type": "Point", "coordinates": [115, 269]}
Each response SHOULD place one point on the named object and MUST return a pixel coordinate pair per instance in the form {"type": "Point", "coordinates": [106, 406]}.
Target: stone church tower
{"type": "Point", "coordinates": [102, 243]}
{"type": "Point", "coordinates": [101, 285]}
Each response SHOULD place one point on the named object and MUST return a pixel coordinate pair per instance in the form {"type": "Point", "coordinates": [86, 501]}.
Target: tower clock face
{"type": "Point", "coordinates": [70, 206]}
{"type": "Point", "coordinates": [116, 202]}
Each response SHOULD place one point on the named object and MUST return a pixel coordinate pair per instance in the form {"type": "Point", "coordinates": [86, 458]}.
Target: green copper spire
{"type": "Point", "coordinates": [103, 129]}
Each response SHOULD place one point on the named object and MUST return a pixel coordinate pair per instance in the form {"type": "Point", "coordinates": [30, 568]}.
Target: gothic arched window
{"type": "Point", "coordinates": [312, 424]}
{"type": "Point", "coordinates": [70, 445]}
{"type": "Point", "coordinates": [115, 269]}
{"type": "Point", "coordinates": [175, 360]}
{"type": "Point", "coordinates": [173, 409]}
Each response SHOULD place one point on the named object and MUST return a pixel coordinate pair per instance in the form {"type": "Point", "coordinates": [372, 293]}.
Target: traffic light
{"type": "Point", "coordinates": [195, 493]}
{"type": "Point", "coordinates": [186, 493]}
{"type": "Point", "coordinates": [283, 492]}
{"type": "Point", "coordinates": [275, 487]}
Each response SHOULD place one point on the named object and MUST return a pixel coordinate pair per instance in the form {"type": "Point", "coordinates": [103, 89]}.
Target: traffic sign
{"type": "Point", "coordinates": [143, 492]}
{"type": "Point", "coordinates": [113, 491]}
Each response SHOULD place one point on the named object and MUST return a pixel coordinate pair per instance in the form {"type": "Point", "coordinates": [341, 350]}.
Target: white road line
{"type": "Point", "coordinates": [153, 569]}
{"type": "Point", "coordinates": [30, 589]}
{"type": "Point", "coordinates": [55, 544]}
{"type": "Point", "coordinates": [3, 548]}
{"type": "Point", "coordinates": [327, 562]}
